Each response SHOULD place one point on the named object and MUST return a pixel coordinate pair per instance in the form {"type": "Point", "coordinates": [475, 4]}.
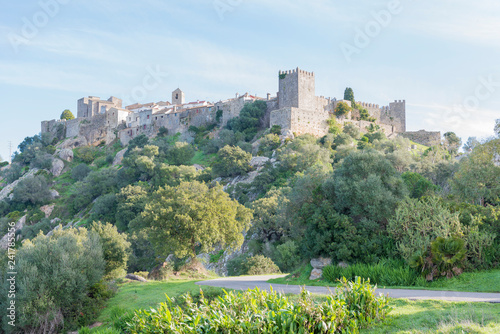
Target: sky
{"type": "Point", "coordinates": [442, 57]}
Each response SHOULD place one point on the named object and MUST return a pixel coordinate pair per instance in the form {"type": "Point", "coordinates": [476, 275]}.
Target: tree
{"type": "Point", "coordinates": [471, 143]}
{"type": "Point", "coordinates": [57, 275]}
{"type": "Point", "coordinates": [269, 143]}
{"type": "Point", "coordinates": [33, 190]}
{"type": "Point", "coordinates": [162, 132]}
{"type": "Point", "coordinates": [452, 142]}
{"type": "Point", "coordinates": [276, 129]}
{"type": "Point", "coordinates": [349, 95]}
{"type": "Point", "coordinates": [180, 153]}
{"type": "Point", "coordinates": [352, 130]}
{"type": "Point", "coordinates": [418, 185]}
{"type": "Point", "coordinates": [115, 249]}
{"type": "Point", "coordinates": [231, 161]}
{"type": "Point", "coordinates": [342, 109]}
{"type": "Point", "coordinates": [477, 180]}
{"type": "Point", "coordinates": [366, 185]}
{"type": "Point", "coordinates": [192, 218]}
{"type": "Point", "coordinates": [67, 115]}
{"type": "Point", "coordinates": [497, 127]}
{"type": "Point", "coordinates": [80, 172]}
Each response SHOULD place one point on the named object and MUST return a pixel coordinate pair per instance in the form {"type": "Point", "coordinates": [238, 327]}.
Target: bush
{"type": "Point", "coordinates": [86, 154]}
{"type": "Point", "coordinates": [33, 190]}
{"type": "Point", "coordinates": [385, 272]}
{"type": "Point", "coordinates": [288, 257]}
{"type": "Point", "coordinates": [115, 248]}
{"type": "Point", "coordinates": [231, 161]}
{"type": "Point", "coordinates": [269, 143]}
{"type": "Point", "coordinates": [354, 307]}
{"type": "Point", "coordinates": [180, 153]}
{"type": "Point", "coordinates": [260, 265]}
{"type": "Point", "coordinates": [29, 232]}
{"type": "Point", "coordinates": [80, 172]}
{"type": "Point", "coordinates": [57, 275]}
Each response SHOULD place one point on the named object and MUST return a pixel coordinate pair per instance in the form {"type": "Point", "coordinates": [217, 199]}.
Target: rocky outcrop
{"type": "Point", "coordinates": [47, 209]}
{"type": "Point", "coordinates": [8, 188]}
{"type": "Point", "coordinates": [66, 154]}
{"type": "Point", "coordinates": [119, 157]}
{"type": "Point", "coordinates": [136, 278]}
{"type": "Point", "coordinates": [57, 167]}
{"type": "Point", "coordinates": [72, 143]}
{"type": "Point", "coordinates": [318, 264]}
{"type": "Point", "coordinates": [54, 194]}
{"type": "Point", "coordinates": [4, 242]}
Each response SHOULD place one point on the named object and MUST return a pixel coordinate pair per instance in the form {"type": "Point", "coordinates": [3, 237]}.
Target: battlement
{"type": "Point", "coordinates": [296, 71]}
{"type": "Point", "coordinates": [368, 105]}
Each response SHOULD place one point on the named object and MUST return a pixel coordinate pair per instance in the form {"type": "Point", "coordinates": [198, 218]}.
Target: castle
{"type": "Point", "coordinates": [295, 108]}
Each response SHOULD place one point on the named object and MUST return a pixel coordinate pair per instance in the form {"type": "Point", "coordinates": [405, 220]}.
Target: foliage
{"type": "Point", "coordinates": [351, 129]}
{"type": "Point", "coordinates": [276, 129]}
{"type": "Point", "coordinates": [104, 208]}
{"type": "Point", "coordinates": [259, 265]}
{"type": "Point", "coordinates": [31, 231]}
{"type": "Point", "coordinates": [231, 161]}
{"type": "Point", "coordinates": [80, 172]}
{"type": "Point", "coordinates": [97, 183]}
{"type": "Point", "coordinates": [354, 307]}
{"type": "Point", "coordinates": [115, 248]}
{"type": "Point", "coordinates": [269, 143]}
{"type": "Point", "coordinates": [477, 180]}
{"type": "Point", "coordinates": [192, 215]}
{"type": "Point", "coordinates": [452, 142]}
{"type": "Point", "coordinates": [180, 153]}
{"type": "Point", "coordinates": [342, 109]}
{"type": "Point", "coordinates": [162, 132]}
{"type": "Point", "coordinates": [419, 222]}
{"type": "Point", "coordinates": [67, 115]}
{"type": "Point", "coordinates": [349, 95]}
{"type": "Point", "coordinates": [86, 154]}
{"type": "Point", "coordinates": [143, 256]}
{"type": "Point", "coordinates": [33, 190]}
{"type": "Point", "coordinates": [131, 202]}
{"type": "Point", "coordinates": [366, 185]}
{"type": "Point", "coordinates": [58, 273]}
{"type": "Point", "coordinates": [418, 185]}
{"type": "Point", "coordinates": [140, 141]}
{"type": "Point", "coordinates": [288, 257]}
{"type": "Point", "coordinates": [13, 173]}
{"type": "Point", "coordinates": [384, 272]}
{"type": "Point", "coordinates": [249, 121]}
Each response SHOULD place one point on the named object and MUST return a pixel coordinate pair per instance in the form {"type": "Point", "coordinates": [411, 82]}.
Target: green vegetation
{"type": "Point", "coordinates": [342, 109]}
{"type": "Point", "coordinates": [67, 115]}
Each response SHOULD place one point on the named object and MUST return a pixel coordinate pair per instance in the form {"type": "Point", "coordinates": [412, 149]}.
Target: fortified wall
{"type": "Point", "coordinates": [427, 138]}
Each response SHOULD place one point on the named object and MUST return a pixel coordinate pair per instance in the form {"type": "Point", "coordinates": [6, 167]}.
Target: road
{"type": "Point", "coordinates": [251, 282]}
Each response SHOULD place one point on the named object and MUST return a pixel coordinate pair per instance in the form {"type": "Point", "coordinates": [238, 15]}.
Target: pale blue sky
{"type": "Point", "coordinates": [434, 54]}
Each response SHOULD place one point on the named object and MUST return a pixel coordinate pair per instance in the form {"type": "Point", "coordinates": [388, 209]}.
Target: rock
{"type": "Point", "coordinates": [72, 143]}
{"type": "Point", "coordinates": [288, 134]}
{"type": "Point", "coordinates": [315, 274]}
{"type": "Point", "coordinates": [258, 161]}
{"type": "Point", "coordinates": [199, 167]}
{"type": "Point", "coordinates": [170, 258]}
{"type": "Point", "coordinates": [320, 262]}
{"type": "Point", "coordinates": [47, 209]}
{"type": "Point", "coordinates": [4, 242]}
{"type": "Point", "coordinates": [119, 157]}
{"type": "Point", "coordinates": [57, 167]}
{"type": "Point", "coordinates": [66, 154]}
{"type": "Point", "coordinates": [342, 264]}
{"type": "Point", "coordinates": [496, 160]}
{"type": "Point", "coordinates": [54, 194]}
{"type": "Point", "coordinates": [136, 278]}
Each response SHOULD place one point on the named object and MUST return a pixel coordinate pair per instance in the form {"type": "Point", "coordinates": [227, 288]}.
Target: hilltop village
{"type": "Point", "coordinates": [295, 108]}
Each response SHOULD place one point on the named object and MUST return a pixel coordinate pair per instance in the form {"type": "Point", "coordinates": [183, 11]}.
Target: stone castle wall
{"type": "Point", "coordinates": [427, 138]}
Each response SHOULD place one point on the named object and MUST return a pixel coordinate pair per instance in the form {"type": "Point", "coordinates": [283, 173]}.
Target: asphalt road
{"type": "Point", "coordinates": [251, 282]}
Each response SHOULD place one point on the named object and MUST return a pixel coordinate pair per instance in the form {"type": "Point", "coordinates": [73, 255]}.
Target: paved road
{"type": "Point", "coordinates": [250, 282]}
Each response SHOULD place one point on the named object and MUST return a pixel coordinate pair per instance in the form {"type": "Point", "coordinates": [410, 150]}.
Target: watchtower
{"type": "Point", "coordinates": [297, 89]}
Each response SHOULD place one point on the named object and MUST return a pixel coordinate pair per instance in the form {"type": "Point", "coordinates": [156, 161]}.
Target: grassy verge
{"type": "Point", "coordinates": [439, 317]}
{"type": "Point", "coordinates": [202, 159]}
{"type": "Point", "coordinates": [483, 281]}
{"type": "Point", "coordinates": [406, 316]}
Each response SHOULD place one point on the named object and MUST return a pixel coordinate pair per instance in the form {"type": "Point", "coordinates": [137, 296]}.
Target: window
{"type": "Point", "coordinates": [148, 116]}
{"type": "Point", "coordinates": [144, 127]}
{"type": "Point", "coordinates": [176, 96]}
{"type": "Point", "coordinates": [156, 118]}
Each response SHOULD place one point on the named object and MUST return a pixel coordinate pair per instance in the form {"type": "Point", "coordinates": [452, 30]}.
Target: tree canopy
{"type": "Point", "coordinates": [67, 115]}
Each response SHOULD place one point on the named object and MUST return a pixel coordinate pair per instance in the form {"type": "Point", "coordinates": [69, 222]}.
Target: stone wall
{"type": "Point", "coordinates": [427, 138]}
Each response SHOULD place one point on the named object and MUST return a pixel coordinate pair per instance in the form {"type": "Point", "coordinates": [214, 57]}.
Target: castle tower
{"type": "Point", "coordinates": [297, 89]}
{"type": "Point", "coordinates": [178, 97]}
{"type": "Point", "coordinates": [395, 115]}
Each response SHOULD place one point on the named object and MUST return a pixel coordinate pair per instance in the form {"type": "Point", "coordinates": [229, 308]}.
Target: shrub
{"type": "Point", "coordinates": [180, 153]}
{"type": "Point", "coordinates": [260, 265]}
{"type": "Point", "coordinates": [115, 248]}
{"type": "Point", "coordinates": [86, 154]}
{"type": "Point", "coordinates": [57, 275]}
{"type": "Point", "coordinates": [276, 129]}
{"type": "Point", "coordinates": [80, 172]}
{"type": "Point", "coordinates": [29, 232]}
{"type": "Point", "coordinates": [269, 143]}
{"type": "Point", "coordinates": [385, 272]}
{"type": "Point", "coordinates": [231, 161]}
{"type": "Point", "coordinates": [288, 257]}
{"type": "Point", "coordinates": [33, 190]}
{"type": "Point", "coordinates": [255, 311]}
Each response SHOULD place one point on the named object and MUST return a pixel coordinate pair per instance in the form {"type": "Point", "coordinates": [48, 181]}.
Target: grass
{"type": "Point", "coordinates": [483, 281]}
{"type": "Point", "coordinates": [439, 317]}
{"type": "Point", "coordinates": [406, 316]}
{"type": "Point", "coordinates": [137, 295]}
{"type": "Point", "coordinates": [202, 159]}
